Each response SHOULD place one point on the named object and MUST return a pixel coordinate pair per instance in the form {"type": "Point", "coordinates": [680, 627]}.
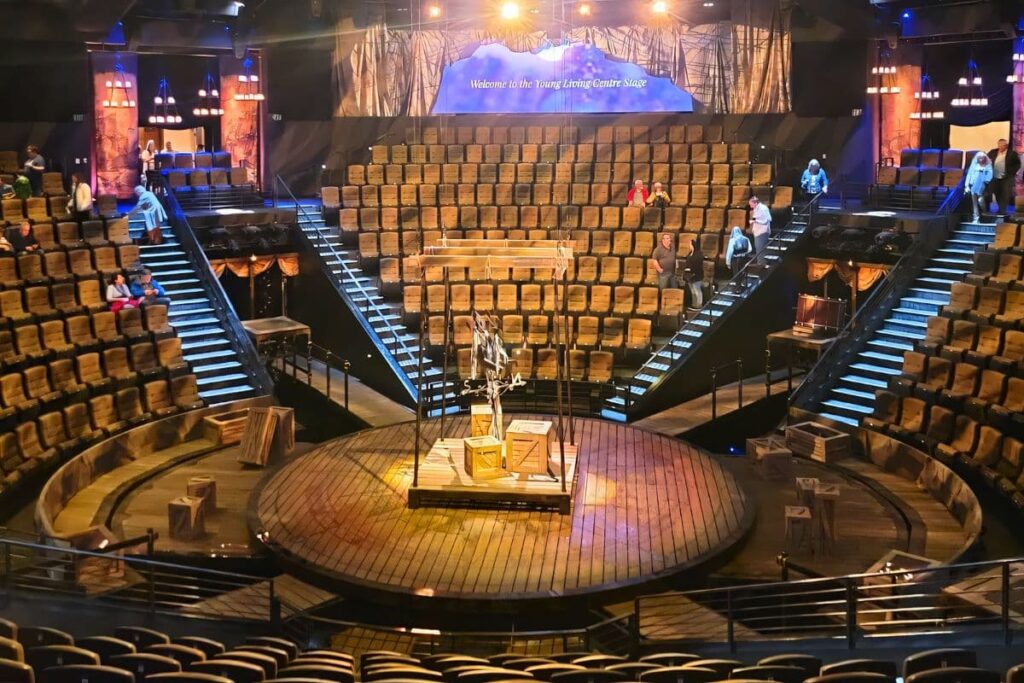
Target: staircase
{"type": "Point", "coordinates": [384, 319]}
{"type": "Point", "coordinates": [218, 198]}
{"type": "Point", "coordinates": [673, 354]}
{"type": "Point", "coordinates": [205, 341]}
{"type": "Point", "coordinates": [882, 357]}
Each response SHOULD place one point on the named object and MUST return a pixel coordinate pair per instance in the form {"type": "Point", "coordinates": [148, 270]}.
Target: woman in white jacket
{"type": "Point", "coordinates": [979, 175]}
{"type": "Point", "coordinates": [80, 203]}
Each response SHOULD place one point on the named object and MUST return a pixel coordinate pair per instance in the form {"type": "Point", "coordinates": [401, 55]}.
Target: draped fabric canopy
{"type": "Point", "coordinates": [288, 263]}
{"type": "Point", "coordinates": [866, 274]}
{"type": "Point", "coordinates": [740, 66]}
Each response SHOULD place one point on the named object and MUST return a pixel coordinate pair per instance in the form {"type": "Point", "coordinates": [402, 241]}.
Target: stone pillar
{"type": "Point", "coordinates": [115, 141]}
{"type": "Point", "coordinates": [240, 124]}
{"type": "Point", "coordinates": [899, 131]}
{"type": "Point", "coordinates": [1017, 131]}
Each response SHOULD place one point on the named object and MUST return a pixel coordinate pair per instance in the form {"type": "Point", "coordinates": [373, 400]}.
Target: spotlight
{"type": "Point", "coordinates": [434, 11]}
{"type": "Point", "coordinates": [659, 7]}
{"type": "Point", "coordinates": [584, 9]}
{"type": "Point", "coordinates": [509, 10]}
{"type": "Point", "coordinates": [906, 14]}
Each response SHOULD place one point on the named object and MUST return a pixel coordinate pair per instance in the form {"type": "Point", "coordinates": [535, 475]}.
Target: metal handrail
{"type": "Point", "coordinates": [351, 279]}
{"type": "Point", "coordinates": [222, 302]}
{"type": "Point", "coordinates": [740, 279]}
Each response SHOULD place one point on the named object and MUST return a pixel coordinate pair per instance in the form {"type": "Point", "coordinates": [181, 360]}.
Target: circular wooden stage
{"type": "Point", "coordinates": [645, 507]}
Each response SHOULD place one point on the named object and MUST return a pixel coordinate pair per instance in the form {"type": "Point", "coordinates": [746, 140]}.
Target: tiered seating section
{"type": "Point", "coordinates": [922, 180]}
{"type": "Point", "coordinates": [141, 654]}
{"type": "Point", "coordinates": [542, 183]}
{"type": "Point", "coordinates": [71, 371]}
{"type": "Point", "coordinates": [960, 395]}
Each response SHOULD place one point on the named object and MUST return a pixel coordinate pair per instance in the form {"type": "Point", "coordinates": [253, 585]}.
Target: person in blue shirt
{"type": "Point", "coordinates": [149, 291]}
{"type": "Point", "coordinates": [813, 180]}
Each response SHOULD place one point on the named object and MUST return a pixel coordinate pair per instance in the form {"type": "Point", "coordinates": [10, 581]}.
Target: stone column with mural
{"type": "Point", "coordinates": [240, 124]}
{"type": "Point", "coordinates": [899, 131]}
{"type": "Point", "coordinates": [1017, 131]}
{"type": "Point", "coordinates": [115, 142]}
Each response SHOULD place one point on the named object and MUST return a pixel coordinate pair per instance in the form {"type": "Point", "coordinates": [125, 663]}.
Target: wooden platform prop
{"type": "Point", "coordinates": [269, 433]}
{"type": "Point", "coordinates": [515, 466]}
{"type": "Point", "coordinates": [818, 442]}
{"type": "Point", "coordinates": [204, 487]}
{"type": "Point", "coordinates": [186, 518]}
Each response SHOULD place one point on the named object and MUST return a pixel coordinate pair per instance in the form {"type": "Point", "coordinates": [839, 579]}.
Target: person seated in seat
{"type": "Point", "coordinates": [119, 295]}
{"type": "Point", "coordinates": [637, 195]}
{"type": "Point", "coordinates": [738, 250]}
{"type": "Point", "coordinates": [148, 291]}
{"type": "Point", "coordinates": [6, 190]}
{"type": "Point", "coordinates": [658, 197]}
{"type": "Point", "coordinates": [23, 239]}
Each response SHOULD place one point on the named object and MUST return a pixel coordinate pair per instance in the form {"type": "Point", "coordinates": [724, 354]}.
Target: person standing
{"type": "Point", "coordinates": [34, 167]}
{"type": "Point", "coordinates": [1005, 165]}
{"type": "Point", "coordinates": [694, 273]}
{"type": "Point", "coordinates": [148, 159]}
{"type": "Point", "coordinates": [148, 291]}
{"type": "Point", "coordinates": [664, 262]}
{"type": "Point", "coordinates": [979, 175]}
{"type": "Point", "coordinates": [637, 195]}
{"type": "Point", "coordinates": [760, 224]}
{"type": "Point", "coordinates": [80, 203]}
{"type": "Point", "coordinates": [813, 180]}
{"type": "Point", "coordinates": [738, 249]}
{"type": "Point", "coordinates": [153, 214]}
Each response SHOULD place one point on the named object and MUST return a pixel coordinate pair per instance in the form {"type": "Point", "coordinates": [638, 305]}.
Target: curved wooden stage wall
{"type": "Point", "coordinates": [646, 507]}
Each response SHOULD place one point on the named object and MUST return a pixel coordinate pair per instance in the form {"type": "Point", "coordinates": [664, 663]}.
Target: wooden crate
{"type": "Point", "coordinates": [225, 429]}
{"type": "Point", "coordinates": [203, 486]}
{"type": "Point", "coordinates": [258, 437]}
{"type": "Point", "coordinates": [284, 437]}
{"type": "Point", "coordinates": [818, 442]}
{"type": "Point", "coordinates": [482, 457]}
{"type": "Point", "coordinates": [185, 518]}
{"type": "Point", "coordinates": [481, 418]}
{"type": "Point", "coordinates": [528, 446]}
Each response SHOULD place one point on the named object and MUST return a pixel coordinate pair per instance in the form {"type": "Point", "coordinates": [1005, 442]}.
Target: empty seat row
{"type": "Point", "coordinates": [983, 345]}
{"type": "Point", "coordinates": [614, 335]}
{"type": "Point", "coordinates": [674, 218]}
{"type": "Point", "coordinates": [1003, 269]}
{"type": "Point", "coordinates": [451, 135]}
{"type": "Point", "coordinates": [590, 366]}
{"type": "Point", "coordinates": [933, 158]}
{"type": "Point", "coordinates": [218, 179]}
{"type": "Point", "coordinates": [545, 194]}
{"type": "Point", "coordinates": [34, 268]}
{"type": "Point", "coordinates": [187, 160]}
{"type": "Point", "coordinates": [906, 177]}
{"type": "Point", "coordinates": [573, 300]}
{"type": "Point", "coordinates": [985, 305]}
{"type": "Point", "coordinates": [34, 208]}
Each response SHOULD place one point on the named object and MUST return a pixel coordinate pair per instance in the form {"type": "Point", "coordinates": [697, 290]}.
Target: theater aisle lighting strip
{"type": "Point", "coordinates": [165, 106]}
{"type": "Point", "coordinates": [119, 90]}
{"type": "Point", "coordinates": [969, 91]}
{"type": "Point", "coordinates": [249, 84]}
{"type": "Point", "coordinates": [209, 99]}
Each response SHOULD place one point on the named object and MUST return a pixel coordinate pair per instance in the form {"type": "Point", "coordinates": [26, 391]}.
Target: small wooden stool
{"type": "Point", "coordinates": [798, 526]}
{"type": "Point", "coordinates": [204, 486]}
{"type": "Point", "coordinates": [777, 464]}
{"type": "Point", "coordinates": [185, 518]}
{"type": "Point", "coordinates": [805, 487]}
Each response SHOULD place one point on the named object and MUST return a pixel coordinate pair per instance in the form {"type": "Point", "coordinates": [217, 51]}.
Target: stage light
{"type": "Point", "coordinates": [434, 11]}
{"type": "Point", "coordinates": [584, 9]}
{"type": "Point", "coordinates": [906, 14]}
{"type": "Point", "coordinates": [509, 10]}
{"type": "Point", "coordinates": [110, 84]}
{"type": "Point", "coordinates": [659, 7]}
{"type": "Point", "coordinates": [158, 100]}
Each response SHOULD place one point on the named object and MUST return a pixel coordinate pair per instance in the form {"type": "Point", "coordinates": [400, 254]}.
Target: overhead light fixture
{"type": "Point", "coordinates": [1017, 74]}
{"type": "Point", "coordinates": [117, 89]}
{"type": "Point", "coordinates": [584, 9]}
{"type": "Point", "coordinates": [927, 102]}
{"type": "Point", "coordinates": [969, 92]}
{"type": "Point", "coordinates": [883, 74]}
{"type": "Point", "coordinates": [659, 7]}
{"type": "Point", "coordinates": [209, 99]}
{"type": "Point", "coordinates": [434, 11]}
{"type": "Point", "coordinates": [248, 88]}
{"type": "Point", "coordinates": [165, 110]}
{"type": "Point", "coordinates": [509, 10]}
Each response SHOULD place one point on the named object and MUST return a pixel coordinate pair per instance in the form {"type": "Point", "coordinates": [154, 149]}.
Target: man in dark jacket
{"type": "Point", "coordinates": [1005, 165]}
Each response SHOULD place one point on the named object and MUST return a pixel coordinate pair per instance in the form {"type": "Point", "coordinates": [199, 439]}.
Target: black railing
{"type": "Point", "coordinates": [219, 300]}
{"type": "Point", "coordinates": [347, 277]}
{"type": "Point", "coordinates": [333, 363]}
{"type": "Point", "coordinates": [741, 282]}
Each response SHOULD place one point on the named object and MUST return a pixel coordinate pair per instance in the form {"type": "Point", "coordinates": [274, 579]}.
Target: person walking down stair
{"type": "Point", "coordinates": [1005, 165]}
{"type": "Point", "coordinates": [979, 175]}
{"type": "Point", "coordinates": [153, 214]}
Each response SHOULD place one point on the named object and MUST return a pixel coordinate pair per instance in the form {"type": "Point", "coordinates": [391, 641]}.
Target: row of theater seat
{"type": "Point", "coordinates": [616, 334]}
{"type": "Point", "coordinates": [187, 160]}
{"type": "Point", "coordinates": [21, 306]}
{"type": "Point", "coordinates": [597, 367]}
{"type": "Point", "coordinates": [960, 394]}
{"type": "Point", "coordinates": [57, 234]}
{"type": "Point", "coordinates": [134, 654]}
{"type": "Point", "coordinates": [571, 134]}
{"type": "Point", "coordinates": [550, 152]}
{"type": "Point", "coordinates": [60, 267]}
{"type": "Point", "coordinates": [933, 158]}
{"type": "Point", "coordinates": [545, 194]}
{"type": "Point", "coordinates": [673, 219]}
{"type": "Point", "coordinates": [576, 300]}
{"type": "Point", "coordinates": [544, 172]}
{"type": "Point", "coordinates": [200, 181]}
{"type": "Point", "coordinates": [54, 207]}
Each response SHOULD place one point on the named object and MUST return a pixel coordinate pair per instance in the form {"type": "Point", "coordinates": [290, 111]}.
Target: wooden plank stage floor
{"type": "Point", "coordinates": [646, 507]}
